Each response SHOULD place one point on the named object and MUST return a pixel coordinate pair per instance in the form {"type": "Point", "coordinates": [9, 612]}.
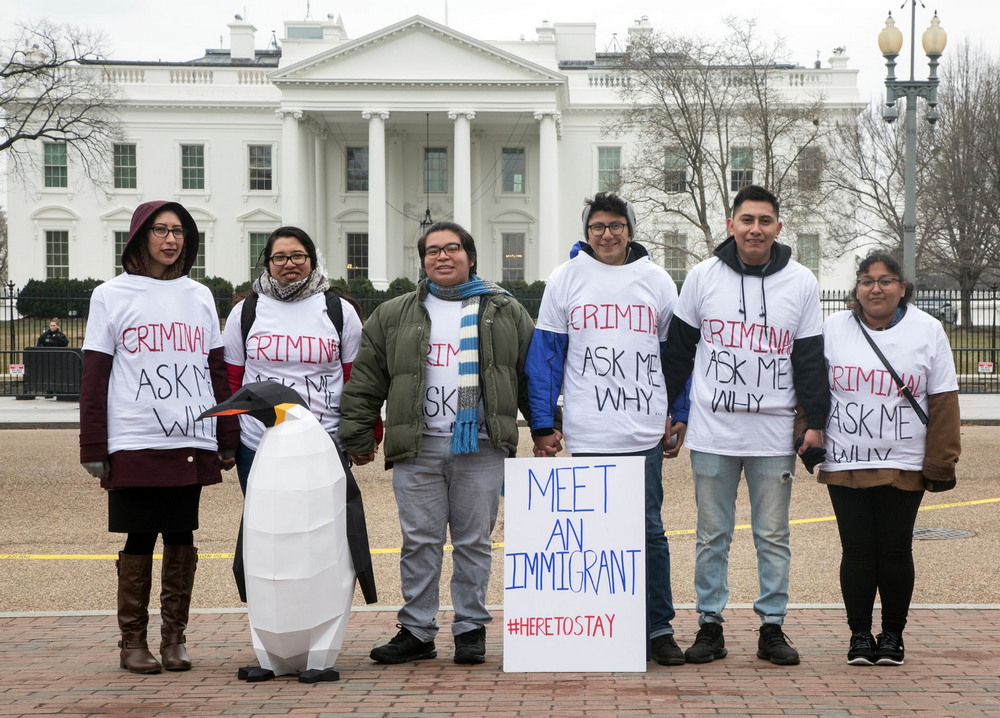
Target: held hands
{"type": "Point", "coordinates": [810, 448]}
{"type": "Point", "coordinates": [227, 459]}
{"type": "Point", "coordinates": [547, 446]}
{"type": "Point", "coordinates": [812, 437]}
{"type": "Point", "coordinates": [97, 469]}
{"type": "Point", "coordinates": [673, 438]}
{"type": "Point", "coordinates": [362, 459]}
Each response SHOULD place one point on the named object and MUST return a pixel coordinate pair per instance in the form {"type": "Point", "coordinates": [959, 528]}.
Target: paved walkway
{"type": "Point", "coordinates": [66, 665]}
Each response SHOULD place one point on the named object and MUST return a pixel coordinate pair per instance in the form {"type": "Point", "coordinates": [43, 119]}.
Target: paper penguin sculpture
{"type": "Point", "coordinates": [298, 565]}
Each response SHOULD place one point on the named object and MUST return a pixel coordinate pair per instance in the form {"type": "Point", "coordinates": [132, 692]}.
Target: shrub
{"type": "Point", "coordinates": [241, 290]}
{"type": "Point", "coordinates": [56, 297]}
{"type": "Point", "coordinates": [400, 286]}
{"type": "Point", "coordinates": [222, 290]}
{"type": "Point", "coordinates": [529, 295]}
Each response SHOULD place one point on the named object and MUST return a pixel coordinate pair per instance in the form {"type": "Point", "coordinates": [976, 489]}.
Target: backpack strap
{"type": "Point", "coordinates": [248, 314]}
{"type": "Point", "coordinates": [335, 310]}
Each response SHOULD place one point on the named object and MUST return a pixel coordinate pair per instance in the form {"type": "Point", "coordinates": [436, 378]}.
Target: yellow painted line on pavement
{"type": "Point", "coordinates": [382, 551]}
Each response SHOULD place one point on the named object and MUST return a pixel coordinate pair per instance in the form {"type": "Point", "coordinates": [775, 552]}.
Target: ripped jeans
{"type": "Point", "coordinates": [716, 480]}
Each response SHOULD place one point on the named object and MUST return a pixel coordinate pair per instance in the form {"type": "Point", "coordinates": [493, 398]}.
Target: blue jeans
{"type": "Point", "coordinates": [659, 596]}
{"type": "Point", "coordinates": [438, 491]}
{"type": "Point", "coordinates": [769, 483]}
{"type": "Point", "coordinates": [244, 460]}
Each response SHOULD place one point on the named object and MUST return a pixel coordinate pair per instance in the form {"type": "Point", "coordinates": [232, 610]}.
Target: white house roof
{"type": "Point", "coordinates": [417, 51]}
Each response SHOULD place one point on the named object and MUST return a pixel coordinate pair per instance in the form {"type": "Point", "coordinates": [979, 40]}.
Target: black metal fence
{"type": "Point", "coordinates": [971, 327]}
{"type": "Point", "coordinates": [29, 371]}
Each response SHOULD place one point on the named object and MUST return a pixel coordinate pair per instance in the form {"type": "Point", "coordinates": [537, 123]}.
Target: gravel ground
{"type": "Point", "coordinates": [55, 550]}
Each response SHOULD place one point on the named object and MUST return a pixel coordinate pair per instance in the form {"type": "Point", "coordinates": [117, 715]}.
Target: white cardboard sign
{"type": "Point", "coordinates": [574, 565]}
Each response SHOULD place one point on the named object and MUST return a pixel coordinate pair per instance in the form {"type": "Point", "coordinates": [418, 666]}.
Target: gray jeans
{"type": "Point", "coordinates": [437, 491]}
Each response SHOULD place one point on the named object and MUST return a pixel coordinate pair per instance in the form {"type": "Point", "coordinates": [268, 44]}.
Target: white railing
{"type": "Point", "coordinates": [252, 77]}
{"type": "Point", "coordinates": [191, 77]}
{"type": "Point", "coordinates": [607, 79]}
{"type": "Point", "coordinates": [124, 75]}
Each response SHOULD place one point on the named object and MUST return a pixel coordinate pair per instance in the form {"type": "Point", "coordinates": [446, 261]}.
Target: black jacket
{"type": "Point", "coordinates": [50, 338]}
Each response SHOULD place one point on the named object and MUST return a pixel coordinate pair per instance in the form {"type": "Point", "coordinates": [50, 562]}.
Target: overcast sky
{"type": "Point", "coordinates": [183, 29]}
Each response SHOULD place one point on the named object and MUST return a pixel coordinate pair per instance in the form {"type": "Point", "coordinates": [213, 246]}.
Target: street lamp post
{"type": "Point", "coordinates": [890, 42]}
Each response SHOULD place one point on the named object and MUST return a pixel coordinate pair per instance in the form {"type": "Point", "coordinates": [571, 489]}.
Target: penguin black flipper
{"type": "Point", "coordinates": [357, 537]}
{"type": "Point", "coordinates": [254, 674]}
{"type": "Point", "coordinates": [316, 675]}
{"type": "Point", "coordinates": [239, 575]}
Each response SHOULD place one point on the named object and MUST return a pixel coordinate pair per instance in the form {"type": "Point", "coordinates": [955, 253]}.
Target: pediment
{"type": "Point", "coordinates": [121, 214]}
{"type": "Point", "coordinates": [258, 215]}
{"type": "Point", "coordinates": [55, 212]}
{"type": "Point", "coordinates": [416, 51]}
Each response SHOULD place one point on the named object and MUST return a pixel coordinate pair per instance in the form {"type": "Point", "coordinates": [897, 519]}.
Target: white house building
{"type": "Point", "coordinates": [356, 140]}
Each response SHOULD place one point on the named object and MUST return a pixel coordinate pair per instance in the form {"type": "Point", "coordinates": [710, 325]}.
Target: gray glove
{"type": "Point", "coordinates": [97, 469]}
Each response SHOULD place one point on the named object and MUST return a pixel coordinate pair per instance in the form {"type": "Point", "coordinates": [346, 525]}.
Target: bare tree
{"type": "Point", "coordinates": [701, 109]}
{"type": "Point", "coordinates": [961, 187]}
{"type": "Point", "coordinates": [53, 89]}
{"type": "Point", "coordinates": [866, 172]}
{"type": "Point", "coordinates": [957, 170]}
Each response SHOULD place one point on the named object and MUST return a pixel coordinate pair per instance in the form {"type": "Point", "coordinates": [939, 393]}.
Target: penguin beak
{"type": "Point", "coordinates": [266, 401]}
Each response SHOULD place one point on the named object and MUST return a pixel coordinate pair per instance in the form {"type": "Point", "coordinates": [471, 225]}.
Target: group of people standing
{"type": "Point", "coordinates": [739, 366]}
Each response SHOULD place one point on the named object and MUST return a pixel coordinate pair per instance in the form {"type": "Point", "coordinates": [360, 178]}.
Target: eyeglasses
{"type": "Point", "coordinates": [884, 282]}
{"type": "Point", "coordinates": [280, 260]}
{"type": "Point", "coordinates": [597, 229]}
{"type": "Point", "coordinates": [449, 249]}
{"type": "Point", "coordinates": [160, 231]}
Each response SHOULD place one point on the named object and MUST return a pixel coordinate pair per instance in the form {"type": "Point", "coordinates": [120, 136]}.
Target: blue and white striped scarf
{"type": "Point", "coordinates": [465, 437]}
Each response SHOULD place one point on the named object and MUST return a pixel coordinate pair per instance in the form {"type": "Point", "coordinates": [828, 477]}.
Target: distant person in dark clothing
{"type": "Point", "coordinates": [53, 336]}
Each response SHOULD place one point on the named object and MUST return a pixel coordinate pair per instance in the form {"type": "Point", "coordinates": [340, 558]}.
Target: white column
{"type": "Point", "coordinates": [477, 177]}
{"type": "Point", "coordinates": [463, 166]}
{"type": "Point", "coordinates": [293, 182]}
{"type": "Point", "coordinates": [396, 225]}
{"type": "Point", "coordinates": [550, 245]}
{"type": "Point", "coordinates": [319, 232]}
{"type": "Point", "coordinates": [377, 234]}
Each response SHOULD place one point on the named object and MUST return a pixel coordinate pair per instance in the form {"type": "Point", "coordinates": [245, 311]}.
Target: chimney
{"type": "Point", "coordinates": [642, 28]}
{"type": "Point", "coordinates": [241, 48]}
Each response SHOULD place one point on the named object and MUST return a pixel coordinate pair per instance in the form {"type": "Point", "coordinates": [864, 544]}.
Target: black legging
{"type": "Point", "coordinates": [876, 533]}
{"type": "Point", "coordinates": [143, 544]}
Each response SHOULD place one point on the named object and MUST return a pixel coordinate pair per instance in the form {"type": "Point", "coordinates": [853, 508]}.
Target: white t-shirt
{"type": "Point", "coordinates": [614, 396]}
{"type": "Point", "coordinates": [294, 343]}
{"type": "Point", "coordinates": [742, 396]}
{"type": "Point", "coordinates": [441, 377]}
{"type": "Point", "coordinates": [872, 425]}
{"type": "Point", "coordinates": [159, 333]}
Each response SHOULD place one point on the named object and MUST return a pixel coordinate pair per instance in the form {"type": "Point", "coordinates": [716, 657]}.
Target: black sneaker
{"type": "Point", "coordinates": [890, 649]}
{"type": "Point", "coordinates": [708, 644]}
{"type": "Point", "coordinates": [470, 647]}
{"type": "Point", "coordinates": [773, 646]}
{"type": "Point", "coordinates": [665, 651]}
{"type": "Point", "coordinates": [862, 651]}
{"type": "Point", "coordinates": [404, 647]}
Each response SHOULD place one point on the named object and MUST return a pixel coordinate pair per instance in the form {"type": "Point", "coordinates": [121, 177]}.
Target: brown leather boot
{"type": "Point", "coordinates": [135, 576]}
{"type": "Point", "coordinates": [177, 580]}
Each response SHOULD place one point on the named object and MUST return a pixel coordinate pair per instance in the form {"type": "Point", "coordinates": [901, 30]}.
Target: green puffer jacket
{"type": "Point", "coordinates": [391, 368]}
